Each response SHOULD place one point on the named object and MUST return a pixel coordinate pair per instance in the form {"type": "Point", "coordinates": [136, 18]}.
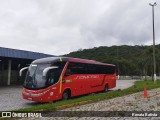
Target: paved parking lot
{"type": "Point", "coordinates": [11, 99]}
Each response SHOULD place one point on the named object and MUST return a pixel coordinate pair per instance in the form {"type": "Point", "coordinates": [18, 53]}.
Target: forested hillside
{"type": "Point", "coordinates": [130, 60]}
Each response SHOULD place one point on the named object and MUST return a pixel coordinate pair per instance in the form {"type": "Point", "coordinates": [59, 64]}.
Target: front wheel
{"type": "Point", "coordinates": [66, 95]}
{"type": "Point", "coordinates": [106, 88]}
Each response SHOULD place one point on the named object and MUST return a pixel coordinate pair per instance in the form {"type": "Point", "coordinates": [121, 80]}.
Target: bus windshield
{"type": "Point", "coordinates": [35, 79]}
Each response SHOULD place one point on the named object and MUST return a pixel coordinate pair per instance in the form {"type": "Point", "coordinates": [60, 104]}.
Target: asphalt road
{"type": "Point", "coordinates": [11, 99]}
{"type": "Point", "coordinates": [123, 84]}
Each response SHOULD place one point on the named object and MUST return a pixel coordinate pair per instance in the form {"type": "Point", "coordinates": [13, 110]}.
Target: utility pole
{"type": "Point", "coordinates": [117, 64]}
{"type": "Point", "coordinates": [154, 60]}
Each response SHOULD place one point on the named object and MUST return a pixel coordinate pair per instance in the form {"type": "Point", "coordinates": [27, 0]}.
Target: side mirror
{"type": "Point", "coordinates": [20, 72]}
{"type": "Point", "coordinates": [47, 69]}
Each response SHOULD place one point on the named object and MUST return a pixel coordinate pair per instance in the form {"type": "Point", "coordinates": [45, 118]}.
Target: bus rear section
{"type": "Point", "coordinates": [57, 78]}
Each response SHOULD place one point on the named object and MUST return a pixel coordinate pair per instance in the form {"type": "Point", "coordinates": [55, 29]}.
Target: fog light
{"type": "Point", "coordinates": [51, 93]}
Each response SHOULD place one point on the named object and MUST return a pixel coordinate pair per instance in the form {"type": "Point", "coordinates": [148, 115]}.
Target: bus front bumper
{"type": "Point", "coordinates": [38, 97]}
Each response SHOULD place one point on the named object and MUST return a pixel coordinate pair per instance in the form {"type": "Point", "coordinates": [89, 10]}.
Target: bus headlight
{"type": "Point", "coordinates": [40, 94]}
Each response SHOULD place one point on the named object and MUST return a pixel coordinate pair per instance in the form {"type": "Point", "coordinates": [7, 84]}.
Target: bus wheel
{"type": "Point", "coordinates": [106, 88]}
{"type": "Point", "coordinates": [66, 95]}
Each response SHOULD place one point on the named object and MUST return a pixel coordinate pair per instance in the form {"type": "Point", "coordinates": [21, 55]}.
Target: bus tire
{"type": "Point", "coordinates": [66, 95]}
{"type": "Point", "coordinates": [106, 88]}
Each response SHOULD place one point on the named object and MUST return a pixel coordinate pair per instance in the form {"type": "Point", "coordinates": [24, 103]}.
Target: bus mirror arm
{"type": "Point", "coordinates": [45, 71]}
{"type": "Point", "coordinates": [20, 72]}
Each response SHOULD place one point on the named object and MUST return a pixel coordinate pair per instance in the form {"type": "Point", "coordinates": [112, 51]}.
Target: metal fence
{"type": "Point", "coordinates": [136, 77]}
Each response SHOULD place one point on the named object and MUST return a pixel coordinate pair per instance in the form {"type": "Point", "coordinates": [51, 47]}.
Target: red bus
{"type": "Point", "coordinates": [55, 78]}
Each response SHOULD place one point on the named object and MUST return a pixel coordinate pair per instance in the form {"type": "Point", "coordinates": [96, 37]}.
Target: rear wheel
{"type": "Point", "coordinates": [106, 88]}
{"type": "Point", "coordinates": [66, 95]}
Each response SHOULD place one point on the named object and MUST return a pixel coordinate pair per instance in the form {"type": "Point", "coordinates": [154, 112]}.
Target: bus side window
{"type": "Point", "coordinates": [51, 77]}
{"type": "Point", "coordinates": [68, 72]}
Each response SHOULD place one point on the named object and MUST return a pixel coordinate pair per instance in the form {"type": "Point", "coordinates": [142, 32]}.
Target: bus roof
{"type": "Point", "coordinates": [50, 60]}
{"type": "Point", "coordinates": [88, 61]}
{"type": "Point", "coordinates": [70, 59]}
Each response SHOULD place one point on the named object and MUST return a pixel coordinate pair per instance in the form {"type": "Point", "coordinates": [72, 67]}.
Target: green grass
{"type": "Point", "coordinates": [137, 87]}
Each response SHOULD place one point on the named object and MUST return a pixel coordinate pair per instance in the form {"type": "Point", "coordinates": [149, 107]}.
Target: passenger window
{"type": "Point", "coordinates": [68, 72]}
{"type": "Point", "coordinates": [84, 68]}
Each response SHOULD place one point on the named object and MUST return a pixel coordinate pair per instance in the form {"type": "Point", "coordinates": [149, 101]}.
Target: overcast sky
{"type": "Point", "coordinates": [58, 27]}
